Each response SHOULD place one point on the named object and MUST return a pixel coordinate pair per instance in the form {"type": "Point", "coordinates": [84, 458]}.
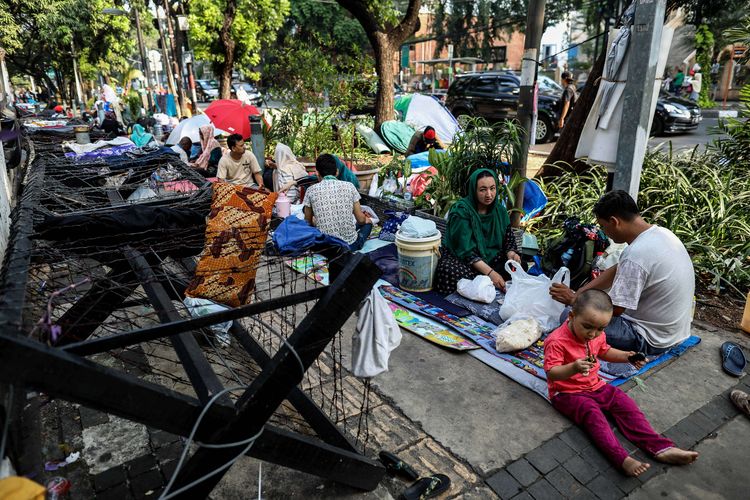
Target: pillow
{"type": "Point", "coordinates": [226, 194]}
{"type": "Point", "coordinates": [235, 239]}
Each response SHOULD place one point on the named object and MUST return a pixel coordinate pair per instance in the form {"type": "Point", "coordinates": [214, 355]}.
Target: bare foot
{"type": "Point", "coordinates": [677, 456]}
{"type": "Point", "coordinates": [633, 467]}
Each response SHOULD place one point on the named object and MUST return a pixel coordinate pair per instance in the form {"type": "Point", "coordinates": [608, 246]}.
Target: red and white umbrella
{"type": "Point", "coordinates": [232, 115]}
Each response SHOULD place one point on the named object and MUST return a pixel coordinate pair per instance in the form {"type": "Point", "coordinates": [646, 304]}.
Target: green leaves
{"type": "Point", "coordinates": [702, 197]}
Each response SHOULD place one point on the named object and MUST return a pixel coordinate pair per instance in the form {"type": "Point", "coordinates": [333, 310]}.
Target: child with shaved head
{"type": "Point", "coordinates": [571, 355]}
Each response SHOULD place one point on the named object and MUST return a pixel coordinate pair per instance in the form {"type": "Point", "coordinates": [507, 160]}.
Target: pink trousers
{"type": "Point", "coordinates": [587, 409]}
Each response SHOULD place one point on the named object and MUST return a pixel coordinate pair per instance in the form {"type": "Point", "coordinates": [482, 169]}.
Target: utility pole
{"type": "Point", "coordinates": [79, 93]}
{"type": "Point", "coordinates": [527, 95]}
{"type": "Point", "coordinates": [183, 26]}
{"type": "Point", "coordinates": [165, 58]}
{"type": "Point", "coordinates": [177, 65]}
{"type": "Point", "coordinates": [645, 43]}
{"type": "Point", "coordinates": [144, 62]}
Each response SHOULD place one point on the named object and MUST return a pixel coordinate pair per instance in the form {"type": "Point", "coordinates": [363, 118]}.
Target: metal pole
{"type": "Point", "coordinates": [258, 141]}
{"type": "Point", "coordinates": [177, 68]}
{"type": "Point", "coordinates": [79, 94]}
{"type": "Point", "coordinates": [526, 98]}
{"type": "Point", "coordinates": [191, 75]}
{"type": "Point", "coordinates": [166, 59]}
{"type": "Point", "coordinates": [645, 42]}
{"type": "Point", "coordinates": [144, 62]}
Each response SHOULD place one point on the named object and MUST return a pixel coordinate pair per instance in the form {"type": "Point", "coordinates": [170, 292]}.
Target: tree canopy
{"type": "Point", "coordinates": [40, 36]}
{"type": "Point", "coordinates": [231, 33]}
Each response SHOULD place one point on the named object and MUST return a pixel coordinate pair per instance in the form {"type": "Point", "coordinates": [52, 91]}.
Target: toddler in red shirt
{"type": "Point", "coordinates": [571, 360]}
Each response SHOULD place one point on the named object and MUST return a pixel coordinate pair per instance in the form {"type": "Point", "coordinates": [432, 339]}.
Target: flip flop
{"type": "Point", "coordinates": [741, 400]}
{"type": "Point", "coordinates": [733, 359]}
{"type": "Point", "coordinates": [427, 487]}
{"type": "Point", "coordinates": [395, 465]}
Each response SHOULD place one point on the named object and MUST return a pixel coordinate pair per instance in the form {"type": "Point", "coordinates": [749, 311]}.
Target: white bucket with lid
{"type": "Point", "coordinates": [417, 260]}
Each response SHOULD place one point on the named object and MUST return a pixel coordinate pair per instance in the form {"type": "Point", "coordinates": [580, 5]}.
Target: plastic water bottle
{"type": "Point", "coordinates": [596, 265]}
{"type": "Point", "coordinates": [283, 205]}
{"type": "Point", "coordinates": [567, 256]}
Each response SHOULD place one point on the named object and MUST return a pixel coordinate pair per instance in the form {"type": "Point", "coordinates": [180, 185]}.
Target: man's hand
{"type": "Point", "coordinates": [368, 220]}
{"type": "Point", "coordinates": [514, 256]}
{"type": "Point", "coordinates": [562, 293]}
{"type": "Point", "coordinates": [638, 364]}
{"type": "Point", "coordinates": [583, 367]}
{"type": "Point", "coordinates": [560, 124]}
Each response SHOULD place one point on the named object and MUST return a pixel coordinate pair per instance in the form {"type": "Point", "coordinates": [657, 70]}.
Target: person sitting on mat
{"type": "Point", "coordinates": [330, 204]}
{"type": "Point", "coordinates": [651, 287]}
{"type": "Point", "coordinates": [571, 354]}
{"type": "Point", "coordinates": [424, 140]}
{"type": "Point", "coordinates": [238, 165]}
{"type": "Point", "coordinates": [478, 237]}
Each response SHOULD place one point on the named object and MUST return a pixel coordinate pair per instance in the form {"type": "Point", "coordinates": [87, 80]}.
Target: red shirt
{"type": "Point", "coordinates": [561, 348]}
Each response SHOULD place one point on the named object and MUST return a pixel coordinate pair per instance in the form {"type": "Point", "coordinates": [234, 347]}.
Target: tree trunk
{"type": "Point", "coordinates": [228, 46]}
{"type": "Point", "coordinates": [384, 68]}
{"type": "Point", "coordinates": [563, 154]}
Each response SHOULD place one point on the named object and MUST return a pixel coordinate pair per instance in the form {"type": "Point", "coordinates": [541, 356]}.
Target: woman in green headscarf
{"type": "Point", "coordinates": [140, 137]}
{"type": "Point", "coordinates": [478, 238]}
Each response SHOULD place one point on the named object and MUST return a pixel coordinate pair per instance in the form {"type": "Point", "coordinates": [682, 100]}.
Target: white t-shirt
{"type": "Point", "coordinates": [332, 202]}
{"type": "Point", "coordinates": [183, 155]}
{"type": "Point", "coordinates": [240, 171]}
{"type": "Point", "coordinates": [655, 283]}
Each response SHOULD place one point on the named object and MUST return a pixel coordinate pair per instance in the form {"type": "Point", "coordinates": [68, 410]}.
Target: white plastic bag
{"type": "Point", "coordinates": [479, 289]}
{"type": "Point", "coordinates": [530, 295]}
{"type": "Point", "coordinates": [517, 334]}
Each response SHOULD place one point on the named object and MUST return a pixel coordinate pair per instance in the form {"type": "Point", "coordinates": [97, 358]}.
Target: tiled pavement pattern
{"type": "Point", "coordinates": [567, 466]}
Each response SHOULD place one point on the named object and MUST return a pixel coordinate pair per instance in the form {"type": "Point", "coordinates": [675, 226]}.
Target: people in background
{"type": "Point", "coordinates": [478, 237]}
{"type": "Point", "coordinates": [344, 173]}
{"type": "Point", "coordinates": [183, 148]}
{"type": "Point", "coordinates": [696, 82]}
{"type": "Point", "coordinates": [568, 99]}
{"type": "Point", "coordinates": [140, 137]}
{"type": "Point", "coordinates": [423, 140]}
{"type": "Point", "coordinates": [571, 361]}
{"type": "Point", "coordinates": [677, 81]}
{"type": "Point", "coordinates": [651, 286]}
{"type": "Point", "coordinates": [289, 172]}
{"type": "Point", "coordinates": [210, 154]}
{"type": "Point", "coordinates": [111, 126]}
{"type": "Point", "coordinates": [238, 165]}
{"type": "Point", "coordinates": [333, 206]}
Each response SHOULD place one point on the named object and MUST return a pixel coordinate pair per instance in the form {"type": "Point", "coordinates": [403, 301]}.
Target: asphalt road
{"type": "Point", "coordinates": [704, 134]}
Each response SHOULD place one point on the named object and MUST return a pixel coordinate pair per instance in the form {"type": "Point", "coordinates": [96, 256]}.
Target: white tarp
{"type": "Point", "coordinates": [599, 138]}
{"type": "Point", "coordinates": [80, 149]}
{"type": "Point", "coordinates": [424, 110]}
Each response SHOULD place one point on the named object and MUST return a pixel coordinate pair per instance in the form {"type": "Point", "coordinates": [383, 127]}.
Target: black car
{"type": "Point", "coordinates": [494, 96]}
{"type": "Point", "coordinates": [206, 90]}
{"type": "Point", "coordinates": [674, 115]}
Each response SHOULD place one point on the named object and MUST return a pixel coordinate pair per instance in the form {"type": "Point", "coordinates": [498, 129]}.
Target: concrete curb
{"type": "Point", "coordinates": [719, 113]}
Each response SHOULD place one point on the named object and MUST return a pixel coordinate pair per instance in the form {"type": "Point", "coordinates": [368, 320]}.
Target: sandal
{"type": "Point", "coordinates": [427, 487]}
{"type": "Point", "coordinates": [741, 400]}
{"type": "Point", "coordinates": [733, 359]}
{"type": "Point", "coordinates": [395, 465]}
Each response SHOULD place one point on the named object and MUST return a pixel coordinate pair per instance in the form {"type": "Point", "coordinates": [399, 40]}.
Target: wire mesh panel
{"type": "Point", "coordinates": [90, 266]}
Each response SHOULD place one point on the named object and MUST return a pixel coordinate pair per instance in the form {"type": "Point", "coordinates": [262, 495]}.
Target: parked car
{"type": "Point", "coordinates": [206, 90]}
{"type": "Point", "coordinates": [256, 98]}
{"type": "Point", "coordinates": [673, 114]}
{"type": "Point", "coordinates": [494, 96]}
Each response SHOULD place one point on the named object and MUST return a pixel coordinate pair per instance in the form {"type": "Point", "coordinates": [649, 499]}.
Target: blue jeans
{"type": "Point", "coordinates": [363, 232]}
{"type": "Point", "coordinates": [621, 334]}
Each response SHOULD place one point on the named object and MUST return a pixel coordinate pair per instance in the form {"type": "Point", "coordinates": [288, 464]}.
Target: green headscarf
{"type": "Point", "coordinates": [470, 233]}
{"type": "Point", "coordinates": [139, 136]}
{"type": "Point", "coordinates": [344, 174]}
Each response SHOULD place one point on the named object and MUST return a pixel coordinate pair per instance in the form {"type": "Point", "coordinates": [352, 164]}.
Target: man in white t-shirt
{"type": "Point", "coordinates": [182, 148]}
{"type": "Point", "coordinates": [333, 206]}
{"type": "Point", "coordinates": [239, 166]}
{"type": "Point", "coordinates": [652, 285]}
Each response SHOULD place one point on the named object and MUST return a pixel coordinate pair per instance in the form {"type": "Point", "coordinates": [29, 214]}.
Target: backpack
{"type": "Point", "coordinates": [575, 249]}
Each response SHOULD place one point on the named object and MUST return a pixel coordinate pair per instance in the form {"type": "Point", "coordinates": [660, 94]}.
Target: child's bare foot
{"type": "Point", "coordinates": [633, 467]}
{"type": "Point", "coordinates": [677, 456]}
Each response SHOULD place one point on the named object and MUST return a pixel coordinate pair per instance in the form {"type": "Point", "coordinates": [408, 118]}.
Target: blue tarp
{"type": "Point", "coordinates": [295, 236]}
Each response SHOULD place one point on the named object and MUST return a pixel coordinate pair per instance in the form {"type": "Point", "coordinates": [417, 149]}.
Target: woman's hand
{"type": "Point", "coordinates": [497, 280]}
{"type": "Point", "coordinates": [514, 256]}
